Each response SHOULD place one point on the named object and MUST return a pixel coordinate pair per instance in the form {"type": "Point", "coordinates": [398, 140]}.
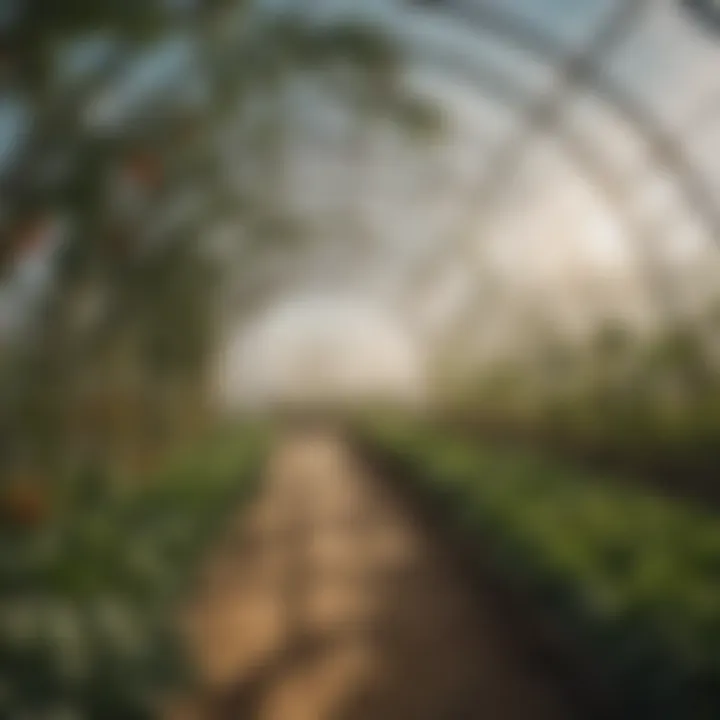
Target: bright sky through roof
{"type": "Point", "coordinates": [553, 225]}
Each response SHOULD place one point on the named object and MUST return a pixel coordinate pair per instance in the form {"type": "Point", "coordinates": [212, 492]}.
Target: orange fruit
{"type": "Point", "coordinates": [24, 504]}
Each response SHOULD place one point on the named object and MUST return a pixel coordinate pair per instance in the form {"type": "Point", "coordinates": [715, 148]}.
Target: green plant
{"type": "Point", "coordinates": [635, 577]}
{"type": "Point", "coordinates": [86, 621]}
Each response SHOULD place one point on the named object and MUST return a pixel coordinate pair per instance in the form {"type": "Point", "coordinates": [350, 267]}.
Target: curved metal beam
{"type": "Point", "coordinates": [581, 72]}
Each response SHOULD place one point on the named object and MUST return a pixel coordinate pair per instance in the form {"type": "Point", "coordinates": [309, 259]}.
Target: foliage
{"type": "Point", "coordinates": [651, 401]}
{"type": "Point", "coordinates": [634, 577]}
{"type": "Point", "coordinates": [119, 353]}
{"type": "Point", "coordinates": [86, 622]}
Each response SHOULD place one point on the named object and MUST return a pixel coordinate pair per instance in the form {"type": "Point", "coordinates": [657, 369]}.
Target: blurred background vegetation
{"type": "Point", "coordinates": [122, 192]}
{"type": "Point", "coordinates": [135, 116]}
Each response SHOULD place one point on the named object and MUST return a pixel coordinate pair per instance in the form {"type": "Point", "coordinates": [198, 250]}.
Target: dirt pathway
{"type": "Point", "coordinates": [329, 602]}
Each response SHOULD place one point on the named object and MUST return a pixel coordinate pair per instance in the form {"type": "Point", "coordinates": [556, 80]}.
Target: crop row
{"type": "Point", "coordinates": [87, 628]}
{"type": "Point", "coordinates": [632, 577]}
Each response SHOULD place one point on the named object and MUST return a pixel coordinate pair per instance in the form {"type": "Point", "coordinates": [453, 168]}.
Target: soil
{"type": "Point", "coordinates": [330, 599]}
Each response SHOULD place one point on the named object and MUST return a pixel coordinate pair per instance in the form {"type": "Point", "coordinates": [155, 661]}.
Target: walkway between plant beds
{"type": "Point", "coordinates": [329, 600]}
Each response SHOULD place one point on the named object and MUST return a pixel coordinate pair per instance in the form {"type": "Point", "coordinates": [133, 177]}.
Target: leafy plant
{"type": "Point", "coordinates": [635, 577]}
{"type": "Point", "coordinates": [86, 621]}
